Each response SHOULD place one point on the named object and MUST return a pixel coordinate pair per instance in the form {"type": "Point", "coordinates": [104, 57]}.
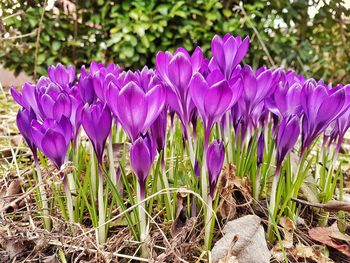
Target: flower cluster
{"type": "Point", "coordinates": [231, 99]}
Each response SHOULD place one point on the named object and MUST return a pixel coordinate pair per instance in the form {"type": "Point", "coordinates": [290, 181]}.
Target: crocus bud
{"type": "Point", "coordinates": [76, 115]}
{"type": "Point", "coordinates": [261, 145]}
{"type": "Point", "coordinates": [53, 138]}
{"type": "Point", "coordinates": [142, 154]}
{"type": "Point", "coordinates": [158, 130]}
{"type": "Point", "coordinates": [86, 89]}
{"type": "Point", "coordinates": [61, 75]}
{"type": "Point", "coordinates": [287, 136]}
{"type": "Point", "coordinates": [24, 120]}
{"type": "Point", "coordinates": [97, 121]}
{"type": "Point", "coordinates": [194, 118]}
{"type": "Point", "coordinates": [215, 161]}
{"type": "Point", "coordinates": [197, 169]}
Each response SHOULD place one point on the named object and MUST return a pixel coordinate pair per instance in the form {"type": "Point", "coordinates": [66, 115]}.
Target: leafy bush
{"type": "Point", "coordinates": [132, 32]}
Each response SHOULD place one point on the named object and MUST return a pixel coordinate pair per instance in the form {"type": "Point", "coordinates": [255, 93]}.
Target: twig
{"type": "Point", "coordinates": [12, 15]}
{"type": "Point", "coordinates": [19, 36]}
{"type": "Point", "coordinates": [57, 243]}
{"type": "Point", "coordinates": [331, 206]}
{"type": "Point", "coordinates": [37, 42]}
{"type": "Point", "coordinates": [263, 46]}
{"type": "Point", "coordinates": [160, 192]}
{"type": "Point", "coordinates": [3, 209]}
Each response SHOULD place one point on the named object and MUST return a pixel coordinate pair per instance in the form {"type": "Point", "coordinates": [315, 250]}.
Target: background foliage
{"type": "Point", "coordinates": [130, 32]}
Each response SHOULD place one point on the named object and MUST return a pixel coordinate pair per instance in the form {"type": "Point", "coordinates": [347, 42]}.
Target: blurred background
{"type": "Point", "coordinates": [309, 36]}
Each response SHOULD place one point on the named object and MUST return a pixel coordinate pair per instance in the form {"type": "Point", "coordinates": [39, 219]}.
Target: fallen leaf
{"type": "Point", "coordinates": [231, 259]}
{"type": "Point", "coordinates": [51, 259]}
{"type": "Point", "coordinates": [331, 236]}
{"type": "Point", "coordinates": [16, 246]}
{"type": "Point", "coordinates": [181, 214]}
{"type": "Point", "coordinates": [302, 252]}
{"type": "Point", "coordinates": [251, 245]}
{"type": "Point", "coordinates": [229, 185]}
{"type": "Point", "coordinates": [288, 228]}
{"type": "Point", "coordinates": [10, 195]}
{"type": "Point", "coordinates": [288, 231]}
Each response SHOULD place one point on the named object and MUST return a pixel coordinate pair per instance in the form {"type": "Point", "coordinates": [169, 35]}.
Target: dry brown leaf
{"type": "Point", "coordinates": [331, 236]}
{"type": "Point", "coordinates": [16, 246]}
{"type": "Point", "coordinates": [51, 259]}
{"type": "Point", "coordinates": [251, 245]}
{"type": "Point", "coordinates": [181, 214]}
{"type": "Point", "coordinates": [228, 184]}
{"type": "Point", "coordinates": [288, 228]}
{"type": "Point", "coordinates": [302, 252]}
{"type": "Point", "coordinates": [288, 231]}
{"type": "Point", "coordinates": [229, 259]}
{"type": "Point", "coordinates": [10, 195]}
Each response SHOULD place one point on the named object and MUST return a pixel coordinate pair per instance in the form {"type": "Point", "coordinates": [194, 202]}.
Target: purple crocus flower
{"type": "Point", "coordinates": [97, 121]}
{"type": "Point", "coordinates": [321, 106]}
{"type": "Point", "coordinates": [214, 160]}
{"type": "Point", "coordinates": [227, 52]}
{"type": "Point", "coordinates": [24, 120]}
{"type": "Point", "coordinates": [176, 72]}
{"type": "Point", "coordinates": [146, 79]}
{"type": "Point", "coordinates": [197, 169]}
{"type": "Point", "coordinates": [261, 147]}
{"type": "Point", "coordinates": [142, 154]}
{"type": "Point", "coordinates": [158, 130]}
{"type": "Point", "coordinates": [53, 101]}
{"type": "Point", "coordinates": [213, 96]}
{"type": "Point", "coordinates": [103, 77]}
{"type": "Point", "coordinates": [61, 75]}
{"type": "Point", "coordinates": [135, 109]}
{"type": "Point", "coordinates": [285, 100]}
{"type": "Point", "coordinates": [27, 98]}
{"type": "Point", "coordinates": [53, 138]}
{"type": "Point", "coordinates": [342, 123]}
{"type": "Point", "coordinates": [76, 115]}
{"type": "Point", "coordinates": [85, 87]}
{"type": "Point", "coordinates": [287, 136]}
{"type": "Point", "coordinates": [257, 86]}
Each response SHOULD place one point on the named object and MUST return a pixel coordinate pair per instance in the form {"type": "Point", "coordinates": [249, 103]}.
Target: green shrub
{"type": "Point", "coordinates": [131, 32]}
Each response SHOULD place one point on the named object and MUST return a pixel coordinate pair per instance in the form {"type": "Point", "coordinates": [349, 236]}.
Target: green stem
{"type": "Point", "coordinates": [257, 184]}
{"type": "Point", "coordinates": [208, 223]}
{"type": "Point", "coordinates": [112, 173]}
{"type": "Point", "coordinates": [44, 202]}
{"type": "Point", "coordinates": [166, 184]}
{"type": "Point", "coordinates": [69, 198]}
{"type": "Point", "coordinates": [204, 177]}
{"type": "Point", "coordinates": [101, 208]}
{"type": "Point", "coordinates": [93, 172]}
{"type": "Point", "coordinates": [140, 188]}
{"type": "Point", "coordinates": [272, 205]}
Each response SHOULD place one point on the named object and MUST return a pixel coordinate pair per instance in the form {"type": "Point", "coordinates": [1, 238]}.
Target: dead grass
{"type": "Point", "coordinates": [23, 238]}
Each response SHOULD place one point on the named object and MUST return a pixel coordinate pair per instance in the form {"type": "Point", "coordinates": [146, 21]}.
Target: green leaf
{"type": "Point", "coordinates": [56, 45]}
